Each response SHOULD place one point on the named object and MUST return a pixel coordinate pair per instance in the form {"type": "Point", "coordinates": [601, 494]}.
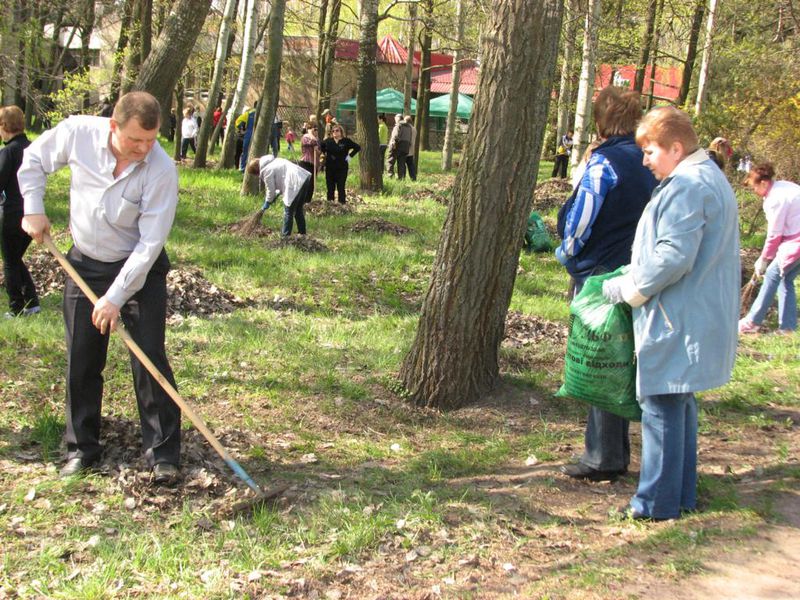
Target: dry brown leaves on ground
{"type": "Point", "coordinates": [551, 194]}
{"type": "Point", "coordinates": [244, 229]}
{"type": "Point", "coordinates": [523, 330]}
{"type": "Point", "coordinates": [303, 243]}
{"type": "Point", "coordinates": [379, 225]}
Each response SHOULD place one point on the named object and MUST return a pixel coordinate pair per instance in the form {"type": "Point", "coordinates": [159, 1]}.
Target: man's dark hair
{"type": "Point", "coordinates": [140, 106]}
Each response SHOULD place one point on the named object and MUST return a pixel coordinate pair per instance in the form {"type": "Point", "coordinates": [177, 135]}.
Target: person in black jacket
{"type": "Point", "coordinates": [22, 296]}
{"type": "Point", "coordinates": [337, 150]}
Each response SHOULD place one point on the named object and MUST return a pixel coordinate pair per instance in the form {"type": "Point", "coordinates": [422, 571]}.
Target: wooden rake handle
{"type": "Point", "coordinates": [185, 407]}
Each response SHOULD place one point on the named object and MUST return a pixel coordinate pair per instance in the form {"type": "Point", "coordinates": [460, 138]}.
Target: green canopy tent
{"type": "Point", "coordinates": [439, 107]}
{"type": "Point", "coordinates": [389, 100]}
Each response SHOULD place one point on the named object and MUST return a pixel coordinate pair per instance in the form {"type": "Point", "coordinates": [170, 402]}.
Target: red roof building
{"type": "Point", "coordinates": [667, 80]}
{"type": "Point", "coordinates": [442, 80]}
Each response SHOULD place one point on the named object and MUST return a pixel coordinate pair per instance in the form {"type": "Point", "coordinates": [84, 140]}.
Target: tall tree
{"type": "Point", "coordinates": [329, 36]}
{"type": "Point", "coordinates": [408, 77]}
{"type": "Point", "coordinates": [450, 127]}
{"type": "Point", "coordinates": [705, 65]}
{"type": "Point", "coordinates": [646, 46]}
{"type": "Point", "coordinates": [220, 57]}
{"type": "Point", "coordinates": [122, 44]}
{"type": "Point", "coordinates": [691, 52]}
{"type": "Point", "coordinates": [454, 357]}
{"type": "Point", "coordinates": [369, 162]}
{"type": "Point", "coordinates": [166, 61]}
{"type": "Point", "coordinates": [268, 106]}
{"type": "Point", "coordinates": [424, 80]}
{"type": "Point", "coordinates": [583, 107]}
{"type": "Point", "coordinates": [249, 37]}
{"type": "Point", "coordinates": [571, 18]}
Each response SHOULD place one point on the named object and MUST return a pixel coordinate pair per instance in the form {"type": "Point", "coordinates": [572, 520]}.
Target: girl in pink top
{"type": "Point", "coordinates": [779, 262]}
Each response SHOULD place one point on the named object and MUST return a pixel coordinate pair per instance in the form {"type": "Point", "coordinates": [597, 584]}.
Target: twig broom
{"type": "Point", "coordinates": [749, 292]}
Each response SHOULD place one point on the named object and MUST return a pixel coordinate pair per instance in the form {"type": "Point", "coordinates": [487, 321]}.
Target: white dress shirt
{"type": "Point", "coordinates": [127, 218]}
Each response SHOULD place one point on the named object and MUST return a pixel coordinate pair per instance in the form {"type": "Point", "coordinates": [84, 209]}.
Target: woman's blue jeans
{"type": "Point", "coordinates": [668, 475]}
{"type": "Point", "coordinates": [787, 298]}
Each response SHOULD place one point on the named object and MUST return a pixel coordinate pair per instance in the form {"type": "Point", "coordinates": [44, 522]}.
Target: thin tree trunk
{"type": "Point", "coordinates": [167, 59]}
{"type": "Point", "coordinates": [179, 89]}
{"type": "Point", "coordinates": [327, 59]}
{"type": "Point", "coordinates": [119, 55]}
{"type": "Point", "coordinates": [424, 81]}
{"type": "Point", "coordinates": [705, 65]}
{"type": "Point", "coordinates": [245, 68]}
{"type": "Point", "coordinates": [450, 128]}
{"type": "Point", "coordinates": [583, 108]}
{"type": "Point", "coordinates": [133, 58]}
{"type": "Point", "coordinates": [656, 41]}
{"type": "Point", "coordinates": [408, 78]}
{"type": "Point", "coordinates": [268, 105]}
{"type": "Point", "coordinates": [691, 52]}
{"type": "Point", "coordinates": [369, 161]}
{"type": "Point", "coordinates": [146, 30]}
{"type": "Point", "coordinates": [565, 85]}
{"type": "Point", "coordinates": [647, 45]}
{"type": "Point", "coordinates": [207, 125]}
{"type": "Point", "coordinates": [454, 358]}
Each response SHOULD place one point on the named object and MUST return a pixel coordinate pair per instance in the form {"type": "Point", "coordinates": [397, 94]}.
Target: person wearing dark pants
{"type": "Point", "coordinates": [123, 197]}
{"type": "Point", "coordinates": [292, 182]}
{"type": "Point", "coordinates": [21, 290]}
{"type": "Point", "coordinates": [144, 317]}
{"type": "Point", "coordinates": [338, 150]}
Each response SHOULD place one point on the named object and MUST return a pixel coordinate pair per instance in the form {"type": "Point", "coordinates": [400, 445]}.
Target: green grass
{"type": "Point", "coordinates": [320, 377]}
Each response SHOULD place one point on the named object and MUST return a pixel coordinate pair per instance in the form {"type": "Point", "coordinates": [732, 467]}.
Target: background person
{"type": "Point", "coordinates": [562, 156]}
{"type": "Point", "coordinates": [123, 196]}
{"type": "Point", "coordinates": [22, 297]}
{"type": "Point", "coordinates": [411, 163]}
{"type": "Point", "coordinates": [597, 225]}
{"type": "Point", "coordinates": [188, 132]}
{"type": "Point", "coordinates": [309, 153]}
{"type": "Point", "coordinates": [779, 263]}
{"type": "Point", "coordinates": [683, 286]}
{"type": "Point", "coordinates": [399, 145]}
{"type": "Point", "coordinates": [383, 137]}
{"type": "Point", "coordinates": [337, 150]}
{"type": "Point", "coordinates": [292, 182]}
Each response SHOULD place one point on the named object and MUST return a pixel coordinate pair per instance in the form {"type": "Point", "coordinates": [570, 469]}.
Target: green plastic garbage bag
{"type": "Point", "coordinates": [600, 365]}
{"type": "Point", "coordinates": [536, 237]}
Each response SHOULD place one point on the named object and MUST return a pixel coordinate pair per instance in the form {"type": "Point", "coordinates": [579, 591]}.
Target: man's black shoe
{"type": "Point", "coordinates": [75, 466]}
{"type": "Point", "coordinates": [581, 471]}
{"type": "Point", "coordinates": [165, 474]}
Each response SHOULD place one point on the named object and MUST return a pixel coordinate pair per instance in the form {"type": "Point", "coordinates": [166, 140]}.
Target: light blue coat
{"type": "Point", "coordinates": [686, 262]}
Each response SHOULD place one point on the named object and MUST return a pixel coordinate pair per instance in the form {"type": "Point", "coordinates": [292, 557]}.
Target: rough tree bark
{"type": "Point", "coordinates": [119, 55]}
{"type": "Point", "coordinates": [327, 56]}
{"type": "Point", "coordinates": [268, 105]}
{"type": "Point", "coordinates": [691, 52]}
{"type": "Point", "coordinates": [454, 358]}
{"type": "Point", "coordinates": [167, 59]}
{"type": "Point", "coordinates": [705, 65]}
{"type": "Point", "coordinates": [228, 152]}
{"type": "Point", "coordinates": [369, 162]}
{"type": "Point", "coordinates": [221, 56]}
{"type": "Point", "coordinates": [408, 78]}
{"type": "Point", "coordinates": [450, 128]}
{"type": "Point", "coordinates": [583, 106]}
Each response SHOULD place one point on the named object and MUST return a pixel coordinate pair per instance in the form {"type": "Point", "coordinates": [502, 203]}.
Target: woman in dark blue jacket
{"type": "Point", "coordinates": [337, 150]}
{"type": "Point", "coordinates": [13, 241]}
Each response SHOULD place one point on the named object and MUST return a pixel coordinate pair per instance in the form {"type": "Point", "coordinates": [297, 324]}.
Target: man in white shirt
{"type": "Point", "coordinates": [123, 197]}
{"type": "Point", "coordinates": [292, 182]}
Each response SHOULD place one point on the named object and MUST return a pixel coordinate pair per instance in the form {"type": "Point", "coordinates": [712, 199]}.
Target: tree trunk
{"type": "Point", "coordinates": [146, 29]}
{"type": "Point", "coordinates": [166, 61]}
{"type": "Point", "coordinates": [268, 105]}
{"type": "Point", "coordinates": [207, 125]}
{"type": "Point", "coordinates": [454, 358]}
{"type": "Point", "coordinates": [133, 59]}
{"type": "Point", "coordinates": [424, 81]}
{"type": "Point", "coordinates": [408, 78]}
{"type": "Point", "coordinates": [565, 84]}
{"type": "Point", "coordinates": [691, 52]}
{"type": "Point", "coordinates": [656, 41]}
{"type": "Point", "coordinates": [450, 128]}
{"type": "Point", "coordinates": [369, 161]}
{"type": "Point", "coordinates": [179, 89]}
{"type": "Point", "coordinates": [705, 65]}
{"type": "Point", "coordinates": [583, 108]}
{"type": "Point", "coordinates": [327, 58]}
{"type": "Point", "coordinates": [647, 45]}
{"type": "Point", "coordinates": [228, 152]}
{"type": "Point", "coordinates": [119, 55]}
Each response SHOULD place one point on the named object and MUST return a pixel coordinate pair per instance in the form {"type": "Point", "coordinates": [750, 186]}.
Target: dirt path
{"type": "Point", "coordinates": [766, 567]}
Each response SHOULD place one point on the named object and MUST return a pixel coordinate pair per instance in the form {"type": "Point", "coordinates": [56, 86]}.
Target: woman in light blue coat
{"type": "Point", "coordinates": [683, 285]}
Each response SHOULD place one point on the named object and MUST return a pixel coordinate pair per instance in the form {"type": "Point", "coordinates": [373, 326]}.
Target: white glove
{"type": "Point", "coordinates": [761, 266]}
{"type": "Point", "coordinates": [612, 290]}
{"type": "Point", "coordinates": [347, 158]}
